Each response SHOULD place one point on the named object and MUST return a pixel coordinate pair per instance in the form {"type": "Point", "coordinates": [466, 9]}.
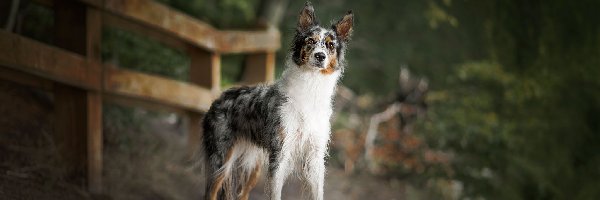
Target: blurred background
{"type": "Point", "coordinates": [441, 99]}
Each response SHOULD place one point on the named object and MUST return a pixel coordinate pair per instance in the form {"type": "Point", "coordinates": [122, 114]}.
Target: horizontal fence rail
{"type": "Point", "coordinates": [172, 27]}
{"type": "Point", "coordinates": [65, 67]}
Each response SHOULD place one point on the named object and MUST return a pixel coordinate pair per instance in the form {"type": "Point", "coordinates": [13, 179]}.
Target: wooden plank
{"type": "Point", "coordinates": [140, 29]}
{"type": "Point", "coordinates": [94, 141]}
{"type": "Point", "coordinates": [70, 26]}
{"type": "Point", "coordinates": [259, 68]}
{"type": "Point", "coordinates": [25, 79]}
{"type": "Point", "coordinates": [70, 128]}
{"type": "Point", "coordinates": [76, 113]}
{"type": "Point", "coordinates": [93, 39]}
{"type": "Point", "coordinates": [157, 17]}
{"type": "Point", "coordinates": [205, 69]}
{"type": "Point", "coordinates": [175, 28]}
{"type": "Point", "coordinates": [248, 41]}
{"type": "Point", "coordinates": [48, 62]}
{"type": "Point", "coordinates": [157, 89]}
{"type": "Point", "coordinates": [163, 18]}
{"type": "Point", "coordinates": [71, 103]}
{"type": "Point", "coordinates": [58, 65]}
{"type": "Point", "coordinates": [78, 29]}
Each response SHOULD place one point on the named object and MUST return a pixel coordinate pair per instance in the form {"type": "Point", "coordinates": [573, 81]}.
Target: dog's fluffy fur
{"type": "Point", "coordinates": [285, 125]}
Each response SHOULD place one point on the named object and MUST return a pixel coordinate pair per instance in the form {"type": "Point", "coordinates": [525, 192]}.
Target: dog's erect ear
{"type": "Point", "coordinates": [343, 28]}
{"type": "Point", "coordinates": [307, 19]}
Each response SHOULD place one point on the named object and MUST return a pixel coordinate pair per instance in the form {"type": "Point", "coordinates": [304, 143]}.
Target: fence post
{"type": "Point", "coordinates": [205, 71]}
{"type": "Point", "coordinates": [94, 106]}
{"type": "Point", "coordinates": [78, 131]}
{"type": "Point", "coordinates": [259, 67]}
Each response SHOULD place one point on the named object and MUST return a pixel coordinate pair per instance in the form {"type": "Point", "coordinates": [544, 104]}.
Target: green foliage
{"type": "Point", "coordinates": [132, 51]}
{"type": "Point", "coordinates": [38, 21]}
{"type": "Point", "coordinates": [516, 90]}
{"type": "Point", "coordinates": [231, 69]}
{"type": "Point", "coordinates": [523, 123]}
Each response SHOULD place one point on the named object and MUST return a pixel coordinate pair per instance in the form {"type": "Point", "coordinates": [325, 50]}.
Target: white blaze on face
{"type": "Point", "coordinates": [320, 48]}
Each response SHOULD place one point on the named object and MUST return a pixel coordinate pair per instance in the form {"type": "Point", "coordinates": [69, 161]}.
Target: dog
{"type": "Point", "coordinates": [286, 125]}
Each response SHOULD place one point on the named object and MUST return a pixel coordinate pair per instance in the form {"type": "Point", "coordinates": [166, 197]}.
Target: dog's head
{"type": "Point", "coordinates": [317, 48]}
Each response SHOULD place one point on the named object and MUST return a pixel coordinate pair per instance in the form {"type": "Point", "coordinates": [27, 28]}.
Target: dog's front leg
{"type": "Point", "coordinates": [314, 174]}
{"type": "Point", "coordinates": [279, 169]}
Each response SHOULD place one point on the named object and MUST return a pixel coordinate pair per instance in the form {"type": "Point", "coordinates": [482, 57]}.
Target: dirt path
{"type": "Point", "coordinates": [339, 185]}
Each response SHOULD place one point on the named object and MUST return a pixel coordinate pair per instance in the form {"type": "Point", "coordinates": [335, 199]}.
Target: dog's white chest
{"type": "Point", "coordinates": [306, 124]}
{"type": "Point", "coordinates": [307, 112]}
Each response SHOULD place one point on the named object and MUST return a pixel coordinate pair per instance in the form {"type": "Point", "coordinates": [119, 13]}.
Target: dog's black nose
{"type": "Point", "coordinates": [320, 56]}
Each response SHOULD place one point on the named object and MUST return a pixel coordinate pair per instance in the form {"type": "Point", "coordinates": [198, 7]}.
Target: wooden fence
{"type": "Point", "coordinates": [73, 70]}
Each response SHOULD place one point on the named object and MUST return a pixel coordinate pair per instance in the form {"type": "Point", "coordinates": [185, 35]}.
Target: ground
{"type": "Point", "coordinates": [148, 160]}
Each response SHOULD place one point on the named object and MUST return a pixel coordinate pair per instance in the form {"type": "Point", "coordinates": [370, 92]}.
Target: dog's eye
{"type": "Point", "coordinates": [310, 41]}
{"type": "Point", "coordinates": [330, 45]}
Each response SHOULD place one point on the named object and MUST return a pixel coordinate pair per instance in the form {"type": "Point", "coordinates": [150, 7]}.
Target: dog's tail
{"type": "Point", "coordinates": [234, 176]}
